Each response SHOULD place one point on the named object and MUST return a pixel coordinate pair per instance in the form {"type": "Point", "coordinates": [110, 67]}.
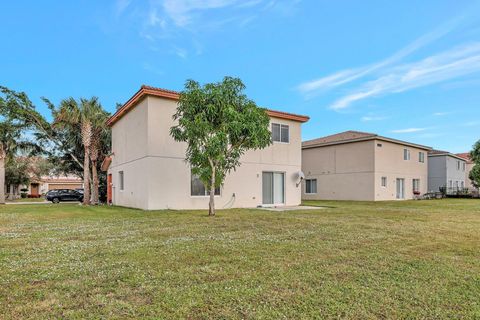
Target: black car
{"type": "Point", "coordinates": [63, 195]}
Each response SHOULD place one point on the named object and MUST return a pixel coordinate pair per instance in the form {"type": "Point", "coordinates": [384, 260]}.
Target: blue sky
{"type": "Point", "coordinates": [404, 69]}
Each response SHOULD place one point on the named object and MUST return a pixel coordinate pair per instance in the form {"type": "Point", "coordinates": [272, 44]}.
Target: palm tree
{"type": "Point", "coordinates": [85, 115]}
{"type": "Point", "coordinates": [99, 131]}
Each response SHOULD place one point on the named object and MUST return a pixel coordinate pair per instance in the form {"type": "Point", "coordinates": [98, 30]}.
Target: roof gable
{"type": "Point", "coordinates": [354, 136]}
{"type": "Point", "coordinates": [173, 95]}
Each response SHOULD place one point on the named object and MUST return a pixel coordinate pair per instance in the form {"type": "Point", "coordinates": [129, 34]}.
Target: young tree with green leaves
{"type": "Point", "coordinates": [18, 107]}
{"type": "Point", "coordinates": [219, 124]}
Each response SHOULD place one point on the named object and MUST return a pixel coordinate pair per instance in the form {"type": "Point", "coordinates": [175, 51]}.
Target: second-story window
{"type": "Point", "coordinates": [280, 133]}
{"type": "Point", "coordinates": [464, 166]}
{"type": "Point", "coordinates": [421, 157]}
{"type": "Point", "coordinates": [458, 165]}
{"type": "Point", "coordinates": [406, 154]}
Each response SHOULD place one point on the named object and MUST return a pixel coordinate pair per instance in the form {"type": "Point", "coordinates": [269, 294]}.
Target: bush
{"type": "Point", "coordinates": [23, 195]}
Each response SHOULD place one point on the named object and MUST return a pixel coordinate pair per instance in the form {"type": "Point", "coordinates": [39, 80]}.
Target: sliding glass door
{"type": "Point", "coordinates": [400, 188]}
{"type": "Point", "coordinates": [273, 188]}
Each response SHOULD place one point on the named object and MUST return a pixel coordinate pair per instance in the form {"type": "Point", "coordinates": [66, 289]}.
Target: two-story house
{"type": "Point", "coordinates": [356, 165]}
{"type": "Point", "coordinates": [148, 170]}
{"type": "Point", "coordinates": [446, 170]}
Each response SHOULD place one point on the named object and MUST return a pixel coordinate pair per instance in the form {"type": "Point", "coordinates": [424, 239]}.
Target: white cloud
{"type": "Point", "coordinates": [121, 6]}
{"type": "Point", "coordinates": [169, 24]}
{"type": "Point", "coordinates": [408, 130]}
{"type": "Point", "coordinates": [312, 87]}
{"type": "Point", "coordinates": [441, 114]}
{"type": "Point", "coordinates": [182, 11]}
{"type": "Point", "coordinates": [180, 52]}
{"type": "Point", "coordinates": [471, 124]}
{"type": "Point", "coordinates": [373, 118]}
{"type": "Point", "coordinates": [447, 65]}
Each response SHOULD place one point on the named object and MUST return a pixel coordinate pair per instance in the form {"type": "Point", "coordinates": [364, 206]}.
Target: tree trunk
{"type": "Point", "coordinates": [211, 206]}
{"type": "Point", "coordinates": [94, 183]}
{"type": "Point", "coordinates": [2, 180]}
{"type": "Point", "coordinates": [86, 178]}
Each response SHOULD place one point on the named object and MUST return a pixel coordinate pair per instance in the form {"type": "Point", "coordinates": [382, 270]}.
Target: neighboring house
{"type": "Point", "coordinates": [354, 165]}
{"type": "Point", "coordinates": [147, 168]}
{"type": "Point", "coordinates": [38, 187]}
{"type": "Point", "coordinates": [446, 170]}
{"type": "Point", "coordinates": [469, 167]}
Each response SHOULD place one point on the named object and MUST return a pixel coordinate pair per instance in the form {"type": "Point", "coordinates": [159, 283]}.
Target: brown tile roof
{"type": "Point", "coordinates": [339, 137]}
{"type": "Point", "coordinates": [437, 152]}
{"type": "Point", "coordinates": [466, 156]}
{"type": "Point", "coordinates": [443, 153]}
{"type": "Point", "coordinates": [174, 95]}
{"type": "Point", "coordinates": [353, 136]}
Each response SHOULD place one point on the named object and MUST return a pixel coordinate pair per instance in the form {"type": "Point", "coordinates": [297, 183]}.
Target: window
{"type": "Point", "coordinates": [406, 154]}
{"type": "Point", "coordinates": [462, 184]}
{"type": "Point", "coordinates": [464, 166]}
{"type": "Point", "coordinates": [280, 133]}
{"type": "Point", "coordinates": [421, 157]}
{"type": "Point", "coordinates": [458, 165]}
{"type": "Point", "coordinates": [379, 145]}
{"type": "Point", "coordinates": [384, 182]}
{"type": "Point", "coordinates": [310, 186]}
{"type": "Point", "coordinates": [197, 188]}
{"type": "Point", "coordinates": [120, 180]}
{"type": "Point", "coordinates": [416, 185]}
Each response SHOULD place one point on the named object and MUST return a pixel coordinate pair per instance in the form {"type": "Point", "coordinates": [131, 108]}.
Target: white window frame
{"type": "Point", "coordinates": [311, 181]}
{"type": "Point", "coordinates": [382, 180]}
{"type": "Point", "coordinates": [206, 191]}
{"type": "Point", "coordinates": [421, 157]}
{"type": "Point", "coordinates": [280, 127]}
{"type": "Point", "coordinates": [121, 180]}
{"type": "Point", "coordinates": [413, 185]}
{"type": "Point", "coordinates": [406, 154]}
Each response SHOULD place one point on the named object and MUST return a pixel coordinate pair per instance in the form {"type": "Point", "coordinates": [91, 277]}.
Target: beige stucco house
{"type": "Point", "coordinates": [38, 187]}
{"type": "Point", "coordinates": [147, 169]}
{"type": "Point", "coordinates": [469, 166]}
{"type": "Point", "coordinates": [356, 165]}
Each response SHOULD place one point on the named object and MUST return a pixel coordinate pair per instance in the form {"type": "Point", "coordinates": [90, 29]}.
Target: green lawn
{"type": "Point", "coordinates": [28, 200]}
{"type": "Point", "coordinates": [390, 260]}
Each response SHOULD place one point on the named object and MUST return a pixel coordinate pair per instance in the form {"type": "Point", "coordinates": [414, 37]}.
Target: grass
{"type": "Point", "coordinates": [358, 260]}
{"type": "Point", "coordinates": [28, 200]}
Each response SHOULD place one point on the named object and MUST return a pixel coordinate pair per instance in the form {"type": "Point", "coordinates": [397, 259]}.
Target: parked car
{"type": "Point", "coordinates": [57, 196]}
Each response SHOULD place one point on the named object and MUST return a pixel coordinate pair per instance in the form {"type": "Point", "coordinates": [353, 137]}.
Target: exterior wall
{"type": "Point", "coordinates": [343, 171]}
{"type": "Point", "coordinates": [443, 169]}
{"type": "Point", "coordinates": [157, 176]}
{"type": "Point", "coordinates": [390, 163]}
{"type": "Point", "coordinates": [354, 171]}
{"type": "Point", "coordinates": [457, 176]}
{"type": "Point", "coordinates": [437, 173]}
{"type": "Point", "coordinates": [130, 148]}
